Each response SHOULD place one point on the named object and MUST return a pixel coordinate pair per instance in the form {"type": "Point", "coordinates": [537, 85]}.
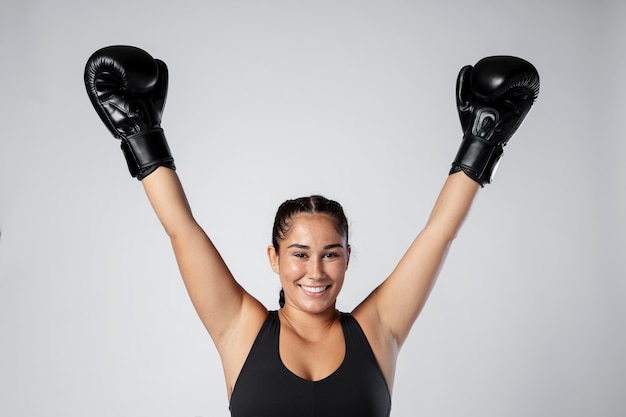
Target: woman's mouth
{"type": "Point", "coordinates": [314, 290]}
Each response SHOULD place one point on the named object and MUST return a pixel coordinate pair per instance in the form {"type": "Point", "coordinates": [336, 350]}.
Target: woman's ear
{"type": "Point", "coordinates": [273, 257]}
{"type": "Point", "coordinates": [348, 257]}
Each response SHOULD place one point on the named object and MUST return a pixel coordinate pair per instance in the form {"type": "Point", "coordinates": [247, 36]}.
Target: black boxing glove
{"type": "Point", "coordinates": [128, 89]}
{"type": "Point", "coordinates": [493, 98]}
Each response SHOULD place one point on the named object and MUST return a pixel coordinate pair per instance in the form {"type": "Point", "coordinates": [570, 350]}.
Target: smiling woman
{"type": "Point", "coordinates": [307, 358]}
{"type": "Point", "coordinates": [289, 212]}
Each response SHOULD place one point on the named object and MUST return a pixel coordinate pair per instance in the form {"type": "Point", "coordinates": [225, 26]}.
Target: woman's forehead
{"type": "Point", "coordinates": [313, 225]}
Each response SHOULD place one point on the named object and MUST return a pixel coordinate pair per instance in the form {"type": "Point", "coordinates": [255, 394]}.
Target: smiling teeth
{"type": "Point", "coordinates": [314, 289]}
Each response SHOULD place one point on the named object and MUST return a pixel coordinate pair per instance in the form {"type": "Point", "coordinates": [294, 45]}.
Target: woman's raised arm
{"type": "Point", "coordinates": [493, 99]}
{"type": "Point", "coordinates": [128, 89]}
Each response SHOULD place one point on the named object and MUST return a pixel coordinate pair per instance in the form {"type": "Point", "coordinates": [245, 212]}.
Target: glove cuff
{"type": "Point", "coordinates": [478, 158]}
{"type": "Point", "coordinates": [146, 151]}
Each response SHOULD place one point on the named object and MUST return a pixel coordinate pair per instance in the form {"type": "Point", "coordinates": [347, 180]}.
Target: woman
{"type": "Point", "coordinates": [307, 358]}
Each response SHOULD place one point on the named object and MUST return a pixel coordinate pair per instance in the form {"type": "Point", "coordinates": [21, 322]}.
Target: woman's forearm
{"type": "Point", "coordinates": [452, 205]}
{"type": "Point", "coordinates": [167, 197]}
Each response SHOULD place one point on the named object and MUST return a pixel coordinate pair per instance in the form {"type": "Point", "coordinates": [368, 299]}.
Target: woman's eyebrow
{"type": "Point", "coordinates": [334, 245]}
{"type": "Point", "coordinates": [298, 246]}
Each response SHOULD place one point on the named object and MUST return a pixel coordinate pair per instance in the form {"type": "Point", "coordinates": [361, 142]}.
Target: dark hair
{"type": "Point", "coordinates": [315, 204]}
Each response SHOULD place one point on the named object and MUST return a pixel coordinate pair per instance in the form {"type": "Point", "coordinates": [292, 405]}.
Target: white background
{"type": "Point", "coordinates": [272, 100]}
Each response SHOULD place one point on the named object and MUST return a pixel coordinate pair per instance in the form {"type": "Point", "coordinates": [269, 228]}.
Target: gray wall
{"type": "Point", "coordinates": [352, 99]}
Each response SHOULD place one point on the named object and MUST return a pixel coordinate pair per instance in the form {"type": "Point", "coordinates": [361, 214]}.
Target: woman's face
{"type": "Point", "coordinates": [312, 263]}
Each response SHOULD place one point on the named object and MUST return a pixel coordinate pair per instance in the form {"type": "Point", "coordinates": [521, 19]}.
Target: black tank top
{"type": "Point", "coordinates": [266, 388]}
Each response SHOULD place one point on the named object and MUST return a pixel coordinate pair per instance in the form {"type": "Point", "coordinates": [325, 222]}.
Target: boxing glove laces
{"type": "Point", "coordinates": [128, 89]}
{"type": "Point", "coordinates": [493, 98]}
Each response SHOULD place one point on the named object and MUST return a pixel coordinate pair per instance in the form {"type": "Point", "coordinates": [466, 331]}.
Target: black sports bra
{"type": "Point", "coordinates": [266, 388]}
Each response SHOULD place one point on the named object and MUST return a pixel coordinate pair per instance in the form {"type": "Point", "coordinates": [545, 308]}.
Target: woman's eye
{"type": "Point", "coordinates": [299, 255]}
{"type": "Point", "coordinates": [331, 255]}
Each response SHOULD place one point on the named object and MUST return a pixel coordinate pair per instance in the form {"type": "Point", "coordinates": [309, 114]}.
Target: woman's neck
{"type": "Point", "coordinates": [310, 326]}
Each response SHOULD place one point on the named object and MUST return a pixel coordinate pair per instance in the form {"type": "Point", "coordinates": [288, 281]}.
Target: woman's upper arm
{"type": "Point", "coordinates": [216, 295]}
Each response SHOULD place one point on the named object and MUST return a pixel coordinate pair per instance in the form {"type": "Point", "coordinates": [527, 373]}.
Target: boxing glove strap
{"type": "Point", "coordinates": [478, 158]}
{"type": "Point", "coordinates": [145, 151]}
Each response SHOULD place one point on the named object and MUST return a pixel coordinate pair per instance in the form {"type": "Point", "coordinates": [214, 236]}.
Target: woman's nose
{"type": "Point", "coordinates": [316, 268]}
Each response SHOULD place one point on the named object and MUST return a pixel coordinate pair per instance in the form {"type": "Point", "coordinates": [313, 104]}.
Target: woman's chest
{"type": "Point", "coordinates": [312, 359]}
